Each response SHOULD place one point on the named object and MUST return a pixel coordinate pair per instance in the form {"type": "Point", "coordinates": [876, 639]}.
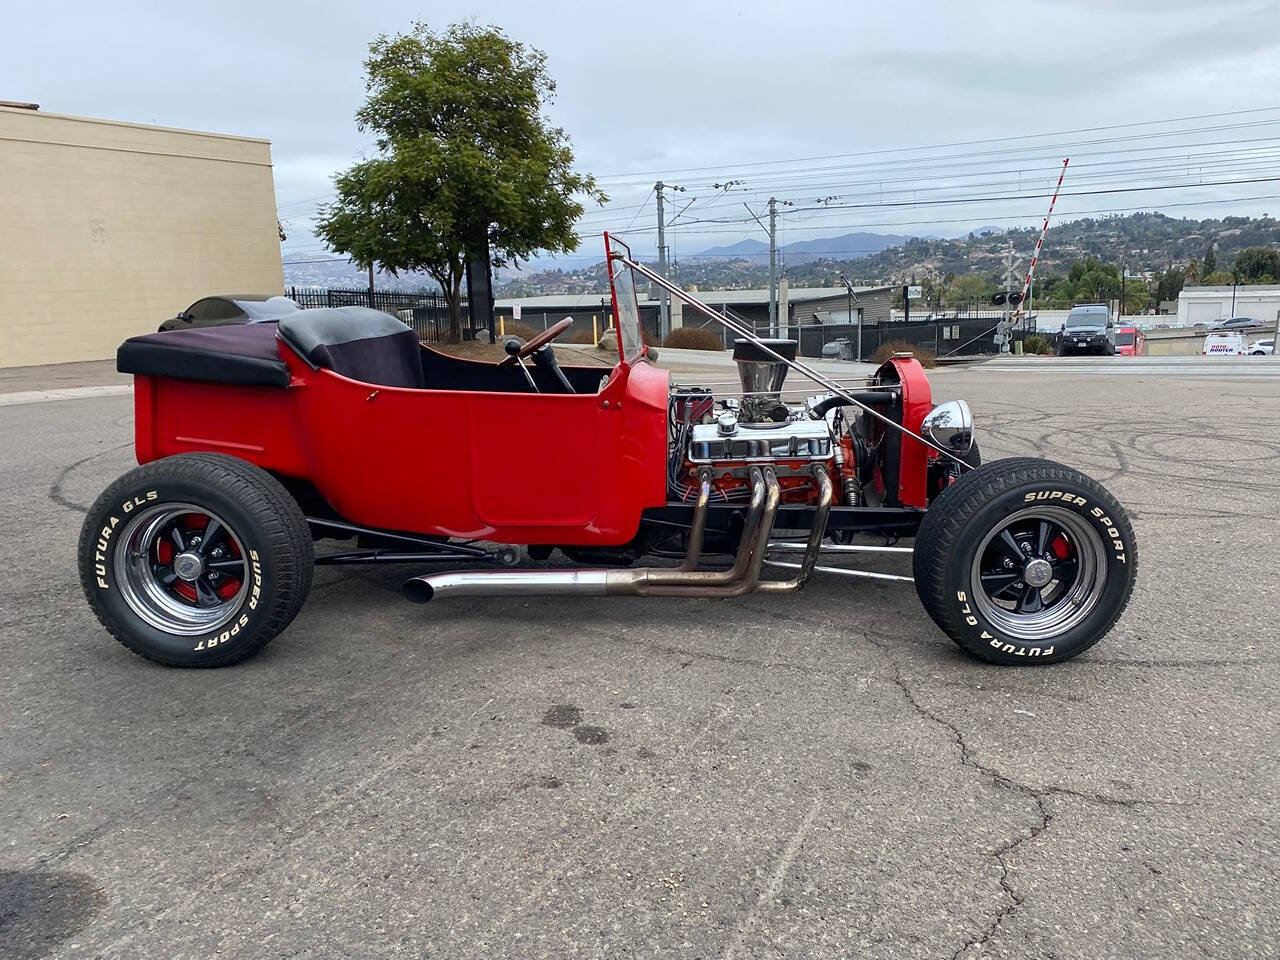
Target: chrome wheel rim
{"type": "Point", "coordinates": [181, 569]}
{"type": "Point", "coordinates": [1038, 573]}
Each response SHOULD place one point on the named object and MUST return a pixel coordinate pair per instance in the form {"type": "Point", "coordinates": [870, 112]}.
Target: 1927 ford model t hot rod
{"type": "Point", "coordinates": [255, 440]}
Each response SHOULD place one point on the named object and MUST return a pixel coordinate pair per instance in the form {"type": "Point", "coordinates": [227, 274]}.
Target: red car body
{"type": "Point", "coordinates": [506, 467]}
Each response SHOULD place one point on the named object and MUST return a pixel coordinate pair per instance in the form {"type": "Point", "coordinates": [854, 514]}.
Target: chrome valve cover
{"type": "Point", "coordinates": [803, 439]}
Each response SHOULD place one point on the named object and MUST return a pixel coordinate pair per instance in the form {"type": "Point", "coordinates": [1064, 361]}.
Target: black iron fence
{"type": "Point", "coordinates": [967, 333]}
{"type": "Point", "coordinates": [427, 312]}
{"type": "Point", "coordinates": [962, 335]}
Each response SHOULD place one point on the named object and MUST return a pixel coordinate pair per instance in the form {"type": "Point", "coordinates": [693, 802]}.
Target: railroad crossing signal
{"type": "Point", "coordinates": [1007, 298]}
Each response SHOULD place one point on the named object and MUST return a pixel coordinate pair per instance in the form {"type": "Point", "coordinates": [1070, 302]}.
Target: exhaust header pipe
{"type": "Point", "coordinates": [741, 578]}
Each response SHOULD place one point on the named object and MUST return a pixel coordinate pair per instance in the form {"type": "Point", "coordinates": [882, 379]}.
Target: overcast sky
{"type": "Point", "coordinates": [658, 88]}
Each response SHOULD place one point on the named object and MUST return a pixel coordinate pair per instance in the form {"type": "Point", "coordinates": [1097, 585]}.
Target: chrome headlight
{"type": "Point", "coordinates": [950, 426]}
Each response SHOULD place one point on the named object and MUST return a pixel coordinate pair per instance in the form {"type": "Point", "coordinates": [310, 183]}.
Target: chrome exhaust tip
{"type": "Point", "coordinates": [504, 583]}
{"type": "Point", "coordinates": [417, 590]}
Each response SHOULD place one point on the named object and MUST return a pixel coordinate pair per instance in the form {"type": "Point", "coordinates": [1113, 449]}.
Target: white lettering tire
{"type": "Point", "coordinates": [196, 560]}
{"type": "Point", "coordinates": [1025, 561]}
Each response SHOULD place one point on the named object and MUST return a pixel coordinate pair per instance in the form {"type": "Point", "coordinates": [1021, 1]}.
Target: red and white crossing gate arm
{"type": "Point", "coordinates": [1026, 284]}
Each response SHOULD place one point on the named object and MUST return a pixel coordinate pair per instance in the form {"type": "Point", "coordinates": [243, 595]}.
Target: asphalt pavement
{"type": "Point", "coordinates": [812, 775]}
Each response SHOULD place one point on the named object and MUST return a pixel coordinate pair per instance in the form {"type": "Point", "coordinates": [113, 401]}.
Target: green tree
{"type": "Point", "coordinates": [1192, 273]}
{"type": "Point", "coordinates": [464, 152]}
{"type": "Point", "coordinates": [1219, 278]}
{"type": "Point", "coordinates": [1169, 284]}
{"type": "Point", "coordinates": [1091, 281]}
{"type": "Point", "coordinates": [967, 288]}
{"type": "Point", "coordinates": [1137, 296]}
{"type": "Point", "coordinates": [1258, 265]}
{"type": "Point", "coordinates": [1210, 262]}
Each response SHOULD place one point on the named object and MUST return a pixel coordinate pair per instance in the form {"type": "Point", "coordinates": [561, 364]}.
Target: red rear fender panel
{"type": "Point", "coordinates": [258, 424]}
{"type": "Point", "coordinates": [507, 467]}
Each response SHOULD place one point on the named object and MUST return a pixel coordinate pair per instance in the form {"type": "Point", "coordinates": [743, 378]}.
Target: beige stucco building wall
{"type": "Point", "coordinates": [107, 229]}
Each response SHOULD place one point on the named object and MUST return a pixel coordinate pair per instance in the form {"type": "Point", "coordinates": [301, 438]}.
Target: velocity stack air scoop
{"type": "Point", "coordinates": [762, 375]}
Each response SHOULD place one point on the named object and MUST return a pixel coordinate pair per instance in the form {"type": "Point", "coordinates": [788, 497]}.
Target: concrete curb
{"type": "Point", "coordinates": [67, 393]}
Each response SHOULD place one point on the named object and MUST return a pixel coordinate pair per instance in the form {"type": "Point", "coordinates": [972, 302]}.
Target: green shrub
{"type": "Point", "coordinates": [1037, 344]}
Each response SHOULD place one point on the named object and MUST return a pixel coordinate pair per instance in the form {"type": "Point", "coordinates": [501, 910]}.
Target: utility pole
{"type": "Point", "coordinates": [773, 267]}
{"type": "Point", "coordinates": [663, 304]}
{"type": "Point", "coordinates": [1123, 271]}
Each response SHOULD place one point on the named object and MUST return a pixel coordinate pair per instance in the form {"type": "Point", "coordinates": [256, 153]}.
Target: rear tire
{"type": "Point", "coordinates": [1025, 561]}
{"type": "Point", "coordinates": [197, 560]}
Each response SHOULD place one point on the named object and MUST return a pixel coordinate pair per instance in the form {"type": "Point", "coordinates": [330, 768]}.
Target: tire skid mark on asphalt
{"type": "Point", "coordinates": [55, 489]}
{"type": "Point", "coordinates": [781, 867]}
{"type": "Point", "coordinates": [1083, 427]}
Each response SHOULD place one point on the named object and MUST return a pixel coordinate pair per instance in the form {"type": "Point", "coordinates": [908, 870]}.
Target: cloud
{"type": "Point", "coordinates": [669, 86]}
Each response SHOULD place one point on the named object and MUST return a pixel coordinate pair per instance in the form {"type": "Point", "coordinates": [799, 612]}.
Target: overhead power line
{"type": "Point", "coordinates": [1010, 215]}
{"type": "Point", "coordinates": [740, 168]}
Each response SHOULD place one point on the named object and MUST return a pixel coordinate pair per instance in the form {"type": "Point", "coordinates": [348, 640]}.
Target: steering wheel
{"type": "Point", "coordinates": [537, 343]}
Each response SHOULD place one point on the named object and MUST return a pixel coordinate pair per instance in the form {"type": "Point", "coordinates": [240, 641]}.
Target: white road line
{"type": "Point", "coordinates": [66, 393]}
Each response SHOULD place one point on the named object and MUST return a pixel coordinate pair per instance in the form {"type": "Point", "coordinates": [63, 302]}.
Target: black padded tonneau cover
{"type": "Point", "coordinates": [237, 353]}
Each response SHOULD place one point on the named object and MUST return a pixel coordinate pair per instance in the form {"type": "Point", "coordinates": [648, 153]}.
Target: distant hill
{"type": "Point", "coordinates": [1142, 241]}
{"type": "Point", "coordinates": [848, 246]}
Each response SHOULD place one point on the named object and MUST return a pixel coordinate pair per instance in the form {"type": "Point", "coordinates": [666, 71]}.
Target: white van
{"type": "Point", "coordinates": [1224, 345]}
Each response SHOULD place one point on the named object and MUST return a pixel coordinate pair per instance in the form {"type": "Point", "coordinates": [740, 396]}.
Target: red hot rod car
{"type": "Point", "coordinates": [256, 440]}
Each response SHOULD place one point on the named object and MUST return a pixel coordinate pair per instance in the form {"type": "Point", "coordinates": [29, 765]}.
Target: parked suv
{"type": "Point", "coordinates": [1088, 330]}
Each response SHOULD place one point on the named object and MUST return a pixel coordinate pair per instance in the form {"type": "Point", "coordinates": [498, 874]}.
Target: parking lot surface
{"type": "Point", "coordinates": [811, 775]}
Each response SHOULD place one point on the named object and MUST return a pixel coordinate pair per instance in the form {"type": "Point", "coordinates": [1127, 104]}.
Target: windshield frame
{"type": "Point", "coordinates": [626, 303]}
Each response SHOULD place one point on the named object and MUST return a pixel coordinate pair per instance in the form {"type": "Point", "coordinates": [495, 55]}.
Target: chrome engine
{"type": "Point", "coordinates": [735, 434]}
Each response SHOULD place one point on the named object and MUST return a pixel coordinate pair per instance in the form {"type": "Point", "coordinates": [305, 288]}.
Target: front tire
{"type": "Point", "coordinates": [1025, 561]}
{"type": "Point", "coordinates": [196, 560]}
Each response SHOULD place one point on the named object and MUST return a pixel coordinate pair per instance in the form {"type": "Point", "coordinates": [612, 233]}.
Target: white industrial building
{"type": "Point", "coordinates": [1209, 304]}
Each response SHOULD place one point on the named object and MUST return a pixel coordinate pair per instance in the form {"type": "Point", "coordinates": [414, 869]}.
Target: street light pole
{"type": "Point", "coordinates": [663, 302]}
{"type": "Point", "coordinates": [852, 297]}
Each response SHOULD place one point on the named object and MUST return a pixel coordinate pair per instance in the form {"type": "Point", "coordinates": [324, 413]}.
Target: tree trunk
{"type": "Point", "coordinates": [455, 311]}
